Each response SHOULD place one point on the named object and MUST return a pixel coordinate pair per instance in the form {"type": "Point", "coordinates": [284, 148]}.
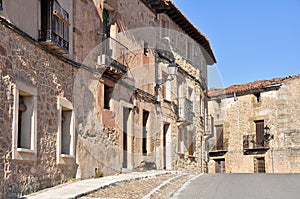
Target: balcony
{"type": "Point", "coordinates": [54, 42]}
{"type": "Point", "coordinates": [219, 150]}
{"type": "Point", "coordinates": [252, 147]}
{"type": "Point", "coordinates": [54, 33]}
{"type": "Point", "coordinates": [113, 58]}
{"type": "Point", "coordinates": [185, 111]}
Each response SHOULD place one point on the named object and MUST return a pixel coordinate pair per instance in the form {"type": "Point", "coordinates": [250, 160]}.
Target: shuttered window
{"type": "Point", "coordinates": [259, 133]}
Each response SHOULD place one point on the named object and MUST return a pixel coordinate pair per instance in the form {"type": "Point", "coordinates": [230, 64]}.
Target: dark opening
{"type": "Point", "coordinates": [22, 108]}
{"type": "Point", "coordinates": [126, 114]}
{"type": "Point", "coordinates": [144, 141]}
{"type": "Point", "coordinates": [107, 96]}
{"type": "Point", "coordinates": [66, 131]}
{"type": "Point", "coordinates": [1, 5]}
{"type": "Point", "coordinates": [166, 127]}
{"type": "Point", "coordinates": [258, 97]}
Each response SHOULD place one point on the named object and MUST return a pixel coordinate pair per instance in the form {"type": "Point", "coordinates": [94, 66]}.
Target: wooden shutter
{"type": "Point", "coordinates": [259, 133]}
{"type": "Point", "coordinates": [259, 165]}
{"type": "Point", "coordinates": [219, 137]}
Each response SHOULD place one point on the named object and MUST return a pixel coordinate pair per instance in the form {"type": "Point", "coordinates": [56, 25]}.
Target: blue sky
{"type": "Point", "coordinates": [251, 40]}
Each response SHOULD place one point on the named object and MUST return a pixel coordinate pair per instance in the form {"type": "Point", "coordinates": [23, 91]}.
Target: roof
{"type": "Point", "coordinates": [252, 87]}
{"type": "Point", "coordinates": [169, 8]}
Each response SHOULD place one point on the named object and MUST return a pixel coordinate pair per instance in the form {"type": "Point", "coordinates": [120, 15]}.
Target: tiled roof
{"type": "Point", "coordinates": [250, 87]}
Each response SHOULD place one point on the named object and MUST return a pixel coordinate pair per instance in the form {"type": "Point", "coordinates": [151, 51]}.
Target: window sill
{"type": "Point", "coordinates": [65, 159]}
{"type": "Point", "coordinates": [23, 150]}
{"type": "Point", "coordinates": [191, 156]}
{"type": "Point", "coordinates": [67, 156]}
{"type": "Point", "coordinates": [24, 154]}
{"type": "Point", "coordinates": [180, 154]}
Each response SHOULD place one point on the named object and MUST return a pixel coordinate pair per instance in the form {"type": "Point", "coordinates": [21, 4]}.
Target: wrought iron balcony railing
{"type": "Point", "coordinates": [113, 57]}
{"type": "Point", "coordinates": [57, 43]}
{"type": "Point", "coordinates": [185, 110]}
{"type": "Point", "coordinates": [250, 142]}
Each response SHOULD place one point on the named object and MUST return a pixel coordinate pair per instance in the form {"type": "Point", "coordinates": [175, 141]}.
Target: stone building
{"type": "Point", "coordinates": [256, 127]}
{"type": "Point", "coordinates": [139, 119]}
{"type": "Point", "coordinates": [85, 90]}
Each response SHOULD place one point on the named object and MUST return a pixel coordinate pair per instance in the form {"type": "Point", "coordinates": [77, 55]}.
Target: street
{"type": "Point", "coordinates": [242, 186]}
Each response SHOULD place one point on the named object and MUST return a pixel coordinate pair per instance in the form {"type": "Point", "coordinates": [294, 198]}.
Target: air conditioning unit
{"type": "Point", "coordinates": [102, 59]}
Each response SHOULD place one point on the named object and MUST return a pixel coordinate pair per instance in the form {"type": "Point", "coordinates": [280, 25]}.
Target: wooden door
{"type": "Point", "coordinates": [259, 133]}
{"type": "Point", "coordinates": [220, 137]}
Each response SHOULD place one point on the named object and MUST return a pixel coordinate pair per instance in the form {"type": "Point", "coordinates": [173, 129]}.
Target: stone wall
{"type": "Point", "coordinates": [25, 61]}
{"type": "Point", "coordinates": [280, 111]}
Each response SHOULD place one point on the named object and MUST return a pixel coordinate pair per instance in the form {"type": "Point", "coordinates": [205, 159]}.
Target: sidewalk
{"type": "Point", "coordinates": [80, 188]}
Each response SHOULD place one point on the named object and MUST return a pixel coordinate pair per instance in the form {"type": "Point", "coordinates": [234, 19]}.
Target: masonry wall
{"type": "Point", "coordinates": [23, 61]}
{"type": "Point", "coordinates": [105, 149]}
{"type": "Point", "coordinates": [280, 111]}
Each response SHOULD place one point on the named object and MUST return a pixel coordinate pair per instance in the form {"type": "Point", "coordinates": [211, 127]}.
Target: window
{"type": "Point", "coordinates": [258, 97]}
{"type": "Point", "coordinates": [220, 137]}
{"type": "Point", "coordinates": [107, 96]}
{"type": "Point", "coordinates": [165, 28]}
{"type": "Point", "coordinates": [66, 131]}
{"type": "Point", "coordinates": [259, 126]}
{"type": "Point", "coordinates": [191, 143]}
{"type": "Point", "coordinates": [144, 138]}
{"type": "Point", "coordinates": [24, 122]}
{"type": "Point", "coordinates": [1, 5]}
{"type": "Point", "coordinates": [55, 25]}
{"type": "Point", "coordinates": [106, 26]}
{"type": "Point", "coordinates": [190, 96]}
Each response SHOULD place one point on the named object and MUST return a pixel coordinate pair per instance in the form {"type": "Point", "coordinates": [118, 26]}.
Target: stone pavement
{"type": "Point", "coordinates": [83, 187]}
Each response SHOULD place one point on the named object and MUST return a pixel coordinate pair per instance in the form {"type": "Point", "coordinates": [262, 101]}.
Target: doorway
{"type": "Point", "coordinates": [166, 145]}
{"type": "Point", "coordinates": [126, 128]}
{"type": "Point", "coordinates": [220, 166]}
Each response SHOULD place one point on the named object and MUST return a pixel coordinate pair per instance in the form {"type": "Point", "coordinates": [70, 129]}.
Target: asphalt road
{"type": "Point", "coordinates": [243, 186]}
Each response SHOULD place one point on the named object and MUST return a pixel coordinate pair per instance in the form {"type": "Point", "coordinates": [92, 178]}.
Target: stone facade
{"type": "Point", "coordinates": [131, 24]}
{"type": "Point", "coordinates": [238, 108]}
{"type": "Point", "coordinates": [22, 60]}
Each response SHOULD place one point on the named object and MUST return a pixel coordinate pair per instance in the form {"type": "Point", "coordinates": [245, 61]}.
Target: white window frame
{"type": "Point", "coordinates": [60, 157]}
{"type": "Point", "coordinates": [24, 153]}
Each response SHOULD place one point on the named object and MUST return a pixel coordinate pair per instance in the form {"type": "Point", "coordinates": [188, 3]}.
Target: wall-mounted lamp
{"type": "Point", "coordinates": [267, 134]}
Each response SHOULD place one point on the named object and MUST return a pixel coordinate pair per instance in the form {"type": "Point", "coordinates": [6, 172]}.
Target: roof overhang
{"type": "Point", "coordinates": [167, 7]}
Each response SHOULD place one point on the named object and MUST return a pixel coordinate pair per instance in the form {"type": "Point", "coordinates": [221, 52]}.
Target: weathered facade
{"type": "Point", "coordinates": [256, 127]}
{"type": "Point", "coordinates": [85, 89]}
{"type": "Point", "coordinates": [146, 120]}
{"type": "Point", "coordinates": [35, 93]}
